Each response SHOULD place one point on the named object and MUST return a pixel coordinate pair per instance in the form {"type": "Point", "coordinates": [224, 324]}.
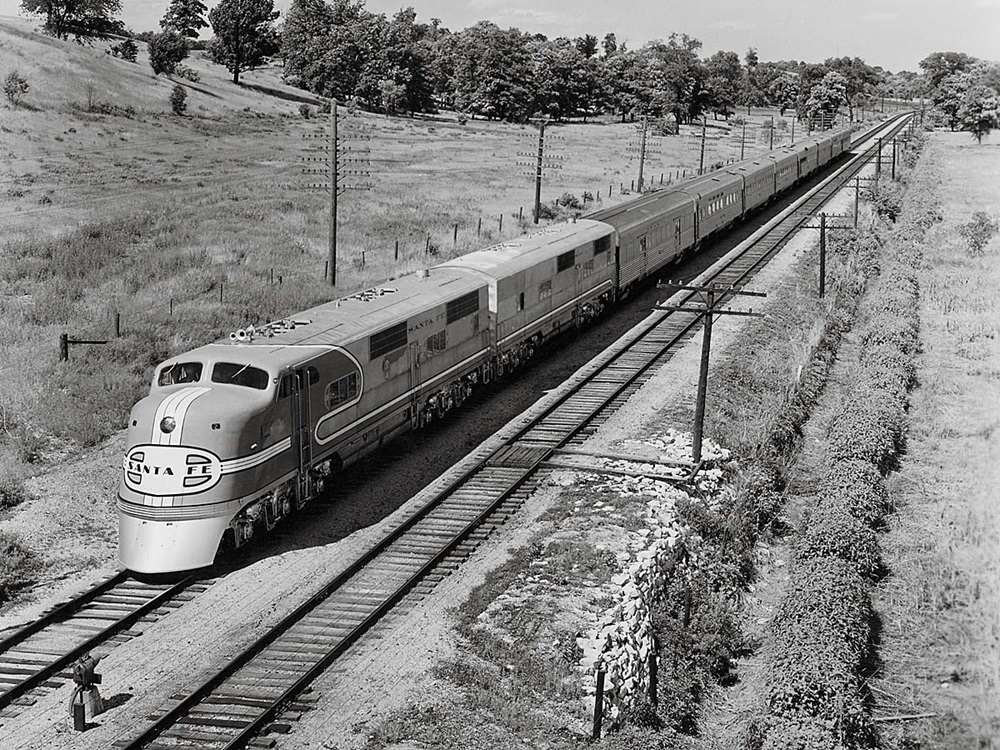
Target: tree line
{"type": "Point", "coordinates": [400, 65]}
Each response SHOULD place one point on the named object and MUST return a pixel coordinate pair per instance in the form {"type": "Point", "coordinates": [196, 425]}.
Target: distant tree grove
{"type": "Point", "coordinates": [401, 65]}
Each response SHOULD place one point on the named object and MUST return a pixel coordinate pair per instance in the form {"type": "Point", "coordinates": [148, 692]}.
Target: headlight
{"type": "Point", "coordinates": [168, 424]}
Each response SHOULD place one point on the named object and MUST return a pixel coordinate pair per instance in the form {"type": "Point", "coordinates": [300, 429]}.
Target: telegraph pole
{"type": "Point", "coordinates": [333, 171]}
{"type": "Point", "coordinates": [538, 168]}
{"type": "Point", "coordinates": [711, 298]}
{"type": "Point", "coordinates": [771, 148]}
{"type": "Point", "coordinates": [642, 149]}
{"type": "Point", "coordinates": [701, 160]}
{"type": "Point", "coordinates": [540, 163]}
{"type": "Point", "coordinates": [743, 140]}
{"type": "Point", "coordinates": [334, 149]}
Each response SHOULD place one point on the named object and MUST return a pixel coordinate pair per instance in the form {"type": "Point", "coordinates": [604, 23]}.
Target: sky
{"type": "Point", "coordinates": [893, 34]}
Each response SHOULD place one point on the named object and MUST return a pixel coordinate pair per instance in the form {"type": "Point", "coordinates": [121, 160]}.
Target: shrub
{"type": "Point", "coordinates": [15, 86]}
{"type": "Point", "coordinates": [978, 232]}
{"type": "Point", "coordinates": [189, 74]}
{"type": "Point", "coordinates": [859, 486]}
{"type": "Point", "coordinates": [17, 565]}
{"type": "Point", "coordinates": [166, 50]}
{"type": "Point", "coordinates": [868, 428]}
{"type": "Point", "coordinates": [178, 100]}
{"type": "Point", "coordinates": [821, 638]}
{"type": "Point", "coordinates": [834, 532]}
{"type": "Point", "coordinates": [800, 734]}
{"type": "Point", "coordinates": [126, 50]}
{"type": "Point", "coordinates": [12, 492]}
{"type": "Point", "coordinates": [305, 111]}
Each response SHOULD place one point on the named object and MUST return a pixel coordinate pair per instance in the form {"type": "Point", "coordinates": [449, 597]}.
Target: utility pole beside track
{"type": "Point", "coordinates": [711, 299]}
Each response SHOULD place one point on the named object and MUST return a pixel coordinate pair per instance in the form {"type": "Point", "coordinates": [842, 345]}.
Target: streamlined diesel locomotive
{"type": "Point", "coordinates": [236, 434]}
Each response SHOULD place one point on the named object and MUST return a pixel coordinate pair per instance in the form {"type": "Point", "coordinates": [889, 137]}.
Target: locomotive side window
{"type": "Point", "coordinates": [520, 302]}
{"type": "Point", "coordinates": [313, 374]}
{"type": "Point", "coordinates": [235, 374]}
{"type": "Point", "coordinates": [465, 305]}
{"type": "Point", "coordinates": [180, 372]}
{"type": "Point", "coordinates": [385, 341]}
{"type": "Point", "coordinates": [438, 342]}
{"type": "Point", "coordinates": [602, 244]}
{"type": "Point", "coordinates": [565, 261]}
{"type": "Point", "coordinates": [342, 390]}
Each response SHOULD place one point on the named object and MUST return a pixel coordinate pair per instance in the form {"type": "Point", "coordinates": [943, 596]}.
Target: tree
{"type": "Point", "coordinates": [586, 45]}
{"type": "Point", "coordinates": [186, 17]}
{"type": "Point", "coordinates": [979, 112]}
{"type": "Point", "coordinates": [939, 65]}
{"type": "Point", "coordinates": [492, 72]}
{"type": "Point", "coordinates": [244, 34]}
{"type": "Point", "coordinates": [861, 81]}
{"type": "Point", "coordinates": [783, 92]}
{"type": "Point", "coordinates": [825, 98]}
{"type": "Point", "coordinates": [166, 51]}
{"type": "Point", "coordinates": [724, 78]}
{"type": "Point", "coordinates": [84, 19]}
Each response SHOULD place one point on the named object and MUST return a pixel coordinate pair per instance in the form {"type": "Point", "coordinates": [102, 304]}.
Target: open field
{"type": "Point", "coordinates": [941, 605]}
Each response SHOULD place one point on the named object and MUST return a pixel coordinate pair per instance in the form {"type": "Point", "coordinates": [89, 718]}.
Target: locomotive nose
{"type": "Point", "coordinates": [165, 547]}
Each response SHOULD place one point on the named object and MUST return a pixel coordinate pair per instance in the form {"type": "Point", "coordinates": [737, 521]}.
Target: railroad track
{"type": "Point", "coordinates": [263, 689]}
{"type": "Point", "coordinates": [37, 657]}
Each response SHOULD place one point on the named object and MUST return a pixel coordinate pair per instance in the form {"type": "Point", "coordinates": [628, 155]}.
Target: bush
{"type": "Point", "coordinates": [12, 492]}
{"type": "Point", "coordinates": [178, 100]}
{"type": "Point", "coordinates": [17, 565]}
{"type": "Point", "coordinates": [800, 734]}
{"type": "Point", "coordinates": [188, 74]}
{"type": "Point", "coordinates": [126, 50]}
{"type": "Point", "coordinates": [15, 86]}
{"type": "Point", "coordinates": [868, 428]}
{"type": "Point", "coordinates": [166, 50]}
{"type": "Point", "coordinates": [305, 111]}
{"type": "Point", "coordinates": [821, 642]}
{"type": "Point", "coordinates": [978, 232]}
{"type": "Point", "coordinates": [834, 532]}
{"type": "Point", "coordinates": [860, 488]}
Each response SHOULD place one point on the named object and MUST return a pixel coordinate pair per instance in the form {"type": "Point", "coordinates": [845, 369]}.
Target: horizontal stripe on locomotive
{"type": "Point", "coordinates": [168, 513]}
{"type": "Point", "coordinates": [606, 284]}
{"type": "Point", "coordinates": [169, 471]}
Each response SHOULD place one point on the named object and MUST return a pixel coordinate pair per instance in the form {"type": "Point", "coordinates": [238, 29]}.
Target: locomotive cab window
{"type": "Point", "coordinates": [341, 391]}
{"type": "Point", "coordinates": [565, 261]}
{"type": "Point", "coordinates": [236, 374]}
{"type": "Point", "coordinates": [180, 372]}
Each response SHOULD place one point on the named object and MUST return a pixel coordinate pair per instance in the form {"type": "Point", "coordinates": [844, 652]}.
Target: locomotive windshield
{"type": "Point", "coordinates": [180, 372]}
{"type": "Point", "coordinates": [245, 375]}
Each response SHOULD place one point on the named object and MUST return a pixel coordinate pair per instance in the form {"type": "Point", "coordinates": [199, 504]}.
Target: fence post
{"type": "Point", "coordinates": [118, 325]}
{"type": "Point", "coordinates": [454, 237]}
{"type": "Point", "coordinates": [396, 255]}
{"type": "Point", "coordinates": [598, 705]}
{"type": "Point", "coordinates": [221, 287]}
{"type": "Point", "coordinates": [63, 347]}
{"type": "Point", "coordinates": [479, 227]}
{"type": "Point", "coordinates": [501, 223]}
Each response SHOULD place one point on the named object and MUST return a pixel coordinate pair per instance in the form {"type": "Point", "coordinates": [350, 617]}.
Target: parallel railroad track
{"type": "Point", "coordinates": [38, 656]}
{"type": "Point", "coordinates": [236, 707]}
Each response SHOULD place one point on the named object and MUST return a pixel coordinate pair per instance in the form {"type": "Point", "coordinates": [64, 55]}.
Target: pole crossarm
{"type": "Point", "coordinates": [704, 309]}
